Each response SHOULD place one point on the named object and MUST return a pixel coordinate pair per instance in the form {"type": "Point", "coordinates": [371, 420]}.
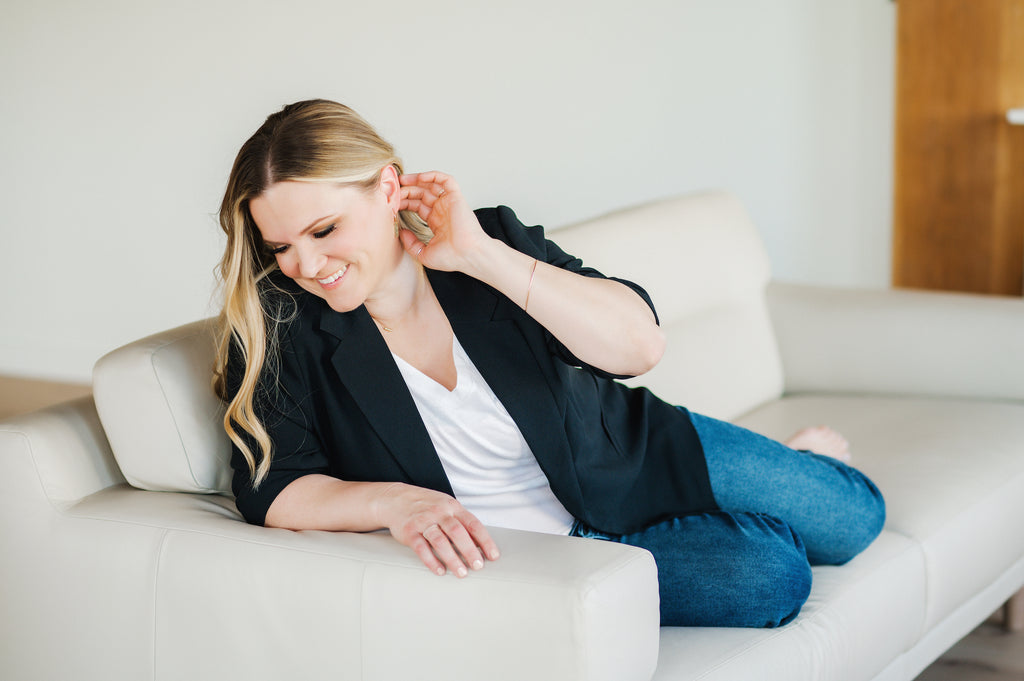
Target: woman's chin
{"type": "Point", "coordinates": [341, 303]}
{"type": "Point", "coordinates": [341, 308]}
{"type": "Point", "coordinates": [338, 303]}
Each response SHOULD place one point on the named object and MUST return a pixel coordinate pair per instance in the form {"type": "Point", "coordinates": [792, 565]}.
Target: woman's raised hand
{"type": "Point", "coordinates": [458, 237]}
{"type": "Point", "coordinates": [438, 528]}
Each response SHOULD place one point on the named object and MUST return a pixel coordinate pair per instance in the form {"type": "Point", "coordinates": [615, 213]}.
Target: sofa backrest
{"type": "Point", "coordinates": [698, 256]}
{"type": "Point", "coordinates": [160, 414]}
{"type": "Point", "coordinates": [702, 261]}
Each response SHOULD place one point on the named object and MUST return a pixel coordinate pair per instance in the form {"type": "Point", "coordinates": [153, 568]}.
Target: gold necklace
{"type": "Point", "coordinates": [381, 324]}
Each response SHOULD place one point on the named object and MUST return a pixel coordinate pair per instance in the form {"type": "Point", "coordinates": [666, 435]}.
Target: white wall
{"type": "Point", "coordinates": [120, 120]}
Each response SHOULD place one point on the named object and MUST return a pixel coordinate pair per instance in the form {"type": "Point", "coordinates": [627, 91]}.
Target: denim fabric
{"type": "Point", "coordinates": [748, 564]}
{"type": "Point", "coordinates": [835, 508]}
{"type": "Point", "coordinates": [721, 569]}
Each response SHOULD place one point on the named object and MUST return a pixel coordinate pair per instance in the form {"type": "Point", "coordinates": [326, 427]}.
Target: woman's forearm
{"type": "Point", "coordinates": [435, 525]}
{"type": "Point", "coordinates": [602, 322]}
{"type": "Point", "coordinates": [322, 502]}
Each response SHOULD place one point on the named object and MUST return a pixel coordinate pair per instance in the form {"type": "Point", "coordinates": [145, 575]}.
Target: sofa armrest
{"type": "Point", "coordinates": [899, 342]}
{"type": "Point", "coordinates": [63, 448]}
{"type": "Point", "coordinates": [260, 603]}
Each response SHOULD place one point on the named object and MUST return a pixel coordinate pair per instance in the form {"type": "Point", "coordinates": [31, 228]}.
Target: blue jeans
{"type": "Point", "coordinates": [749, 564]}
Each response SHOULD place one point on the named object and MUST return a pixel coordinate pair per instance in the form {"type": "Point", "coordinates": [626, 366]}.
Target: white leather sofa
{"type": "Point", "coordinates": [122, 556]}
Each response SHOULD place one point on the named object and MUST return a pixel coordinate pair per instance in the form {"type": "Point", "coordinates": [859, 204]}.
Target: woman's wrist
{"type": "Point", "coordinates": [383, 503]}
{"type": "Point", "coordinates": [499, 265]}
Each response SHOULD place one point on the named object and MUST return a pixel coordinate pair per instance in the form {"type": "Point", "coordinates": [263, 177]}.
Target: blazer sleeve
{"type": "Point", "coordinates": [502, 223]}
{"type": "Point", "coordinates": [282, 403]}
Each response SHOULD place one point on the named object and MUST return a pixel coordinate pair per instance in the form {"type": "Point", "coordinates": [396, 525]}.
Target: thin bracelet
{"type": "Point", "coordinates": [530, 285]}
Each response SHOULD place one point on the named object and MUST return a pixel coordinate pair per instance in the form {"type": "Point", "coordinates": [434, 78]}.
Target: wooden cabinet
{"type": "Point", "coordinates": [958, 220]}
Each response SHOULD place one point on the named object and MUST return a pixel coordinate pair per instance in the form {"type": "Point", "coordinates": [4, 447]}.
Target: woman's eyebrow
{"type": "Point", "coordinates": [305, 231]}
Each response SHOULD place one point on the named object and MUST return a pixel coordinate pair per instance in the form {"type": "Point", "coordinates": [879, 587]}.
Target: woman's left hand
{"type": "Point", "coordinates": [458, 237]}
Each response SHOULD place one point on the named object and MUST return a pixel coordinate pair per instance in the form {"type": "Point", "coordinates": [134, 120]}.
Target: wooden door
{"type": "Point", "coordinates": [958, 219]}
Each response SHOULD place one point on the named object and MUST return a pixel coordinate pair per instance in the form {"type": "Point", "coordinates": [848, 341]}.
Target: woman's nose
{"type": "Point", "coordinates": [310, 263]}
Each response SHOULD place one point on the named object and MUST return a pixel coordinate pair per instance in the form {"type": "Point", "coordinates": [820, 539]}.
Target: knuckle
{"type": "Point", "coordinates": [450, 524]}
{"type": "Point", "coordinates": [433, 534]}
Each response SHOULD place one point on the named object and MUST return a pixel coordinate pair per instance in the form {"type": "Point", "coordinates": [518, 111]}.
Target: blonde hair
{"type": "Point", "coordinates": [309, 141]}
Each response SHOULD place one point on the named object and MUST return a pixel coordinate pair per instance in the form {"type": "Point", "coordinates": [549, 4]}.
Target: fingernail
{"type": "Point", "coordinates": [462, 572]}
{"type": "Point", "coordinates": [477, 564]}
{"type": "Point", "coordinates": [440, 571]}
{"type": "Point", "coordinates": [495, 555]}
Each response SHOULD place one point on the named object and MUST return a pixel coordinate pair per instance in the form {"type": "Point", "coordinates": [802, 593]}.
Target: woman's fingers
{"type": "Point", "coordinates": [429, 193]}
{"type": "Point", "coordinates": [422, 191]}
{"type": "Point", "coordinates": [447, 544]}
{"type": "Point", "coordinates": [421, 200]}
{"type": "Point", "coordinates": [423, 549]}
{"type": "Point", "coordinates": [438, 528]}
{"type": "Point", "coordinates": [457, 234]}
{"type": "Point", "coordinates": [411, 244]}
{"type": "Point", "coordinates": [418, 206]}
{"type": "Point", "coordinates": [480, 536]}
{"type": "Point", "coordinates": [442, 542]}
{"type": "Point", "coordinates": [431, 178]}
{"type": "Point", "coordinates": [463, 543]}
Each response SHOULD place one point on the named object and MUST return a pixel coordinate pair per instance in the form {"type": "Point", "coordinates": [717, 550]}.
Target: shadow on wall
{"type": "Point", "coordinates": [22, 395]}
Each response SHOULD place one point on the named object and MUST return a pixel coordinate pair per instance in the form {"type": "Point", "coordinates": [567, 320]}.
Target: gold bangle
{"type": "Point", "coordinates": [533, 272]}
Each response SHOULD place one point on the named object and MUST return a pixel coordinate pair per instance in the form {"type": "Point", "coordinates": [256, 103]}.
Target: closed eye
{"type": "Point", "coordinates": [278, 250]}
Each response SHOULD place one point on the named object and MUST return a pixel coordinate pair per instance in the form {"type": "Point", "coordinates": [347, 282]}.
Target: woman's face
{"type": "Point", "coordinates": [336, 241]}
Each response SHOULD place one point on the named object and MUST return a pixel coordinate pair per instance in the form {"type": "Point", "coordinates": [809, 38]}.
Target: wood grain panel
{"type": "Point", "coordinates": [1008, 228]}
{"type": "Point", "coordinates": [959, 167]}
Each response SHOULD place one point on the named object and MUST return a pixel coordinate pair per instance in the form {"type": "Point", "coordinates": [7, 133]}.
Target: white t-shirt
{"type": "Point", "coordinates": [492, 470]}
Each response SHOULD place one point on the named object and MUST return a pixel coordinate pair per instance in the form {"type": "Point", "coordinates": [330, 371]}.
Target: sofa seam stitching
{"type": "Point", "coordinates": [167, 402]}
{"type": "Point", "coordinates": [362, 623]}
{"type": "Point", "coordinates": [156, 597]}
{"type": "Point", "coordinates": [35, 467]}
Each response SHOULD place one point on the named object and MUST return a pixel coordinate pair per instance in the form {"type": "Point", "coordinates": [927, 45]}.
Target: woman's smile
{"type": "Point", "coordinates": [334, 280]}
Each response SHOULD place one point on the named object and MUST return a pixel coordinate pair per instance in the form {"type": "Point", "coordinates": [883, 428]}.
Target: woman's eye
{"type": "Point", "coordinates": [323, 232]}
{"type": "Point", "coordinates": [278, 250]}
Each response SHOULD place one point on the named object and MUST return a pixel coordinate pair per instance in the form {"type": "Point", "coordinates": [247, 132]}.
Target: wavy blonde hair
{"type": "Point", "coordinates": [309, 141]}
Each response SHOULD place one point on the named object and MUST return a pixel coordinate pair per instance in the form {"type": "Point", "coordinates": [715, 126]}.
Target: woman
{"type": "Point", "coordinates": [395, 360]}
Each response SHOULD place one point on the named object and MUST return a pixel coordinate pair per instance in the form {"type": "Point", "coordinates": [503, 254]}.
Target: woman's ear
{"type": "Point", "coordinates": [391, 187]}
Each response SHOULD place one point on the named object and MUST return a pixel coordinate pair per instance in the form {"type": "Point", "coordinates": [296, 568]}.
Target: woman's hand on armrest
{"type": "Point", "coordinates": [435, 525]}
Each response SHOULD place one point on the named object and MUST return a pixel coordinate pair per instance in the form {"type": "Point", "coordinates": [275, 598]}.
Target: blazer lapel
{"type": "Point", "coordinates": [367, 369]}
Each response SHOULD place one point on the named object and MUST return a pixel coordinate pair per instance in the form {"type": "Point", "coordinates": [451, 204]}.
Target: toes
{"type": "Point", "coordinates": [821, 440]}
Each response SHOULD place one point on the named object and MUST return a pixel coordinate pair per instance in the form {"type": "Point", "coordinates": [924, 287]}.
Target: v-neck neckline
{"type": "Point", "coordinates": [459, 359]}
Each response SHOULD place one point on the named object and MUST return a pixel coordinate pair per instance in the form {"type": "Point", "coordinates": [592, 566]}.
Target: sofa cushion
{"type": "Point", "coordinates": [160, 414]}
{"type": "Point", "coordinates": [704, 265]}
{"type": "Point", "coordinates": [837, 636]}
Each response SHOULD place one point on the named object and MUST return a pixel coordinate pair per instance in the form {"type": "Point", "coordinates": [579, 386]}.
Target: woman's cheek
{"type": "Point", "coordinates": [288, 266]}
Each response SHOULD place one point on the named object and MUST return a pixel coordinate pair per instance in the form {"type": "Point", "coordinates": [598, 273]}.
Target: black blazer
{"type": "Point", "coordinates": [617, 458]}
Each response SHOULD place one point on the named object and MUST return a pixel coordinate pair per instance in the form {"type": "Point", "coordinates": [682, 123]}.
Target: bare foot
{"type": "Point", "coordinates": [821, 440]}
